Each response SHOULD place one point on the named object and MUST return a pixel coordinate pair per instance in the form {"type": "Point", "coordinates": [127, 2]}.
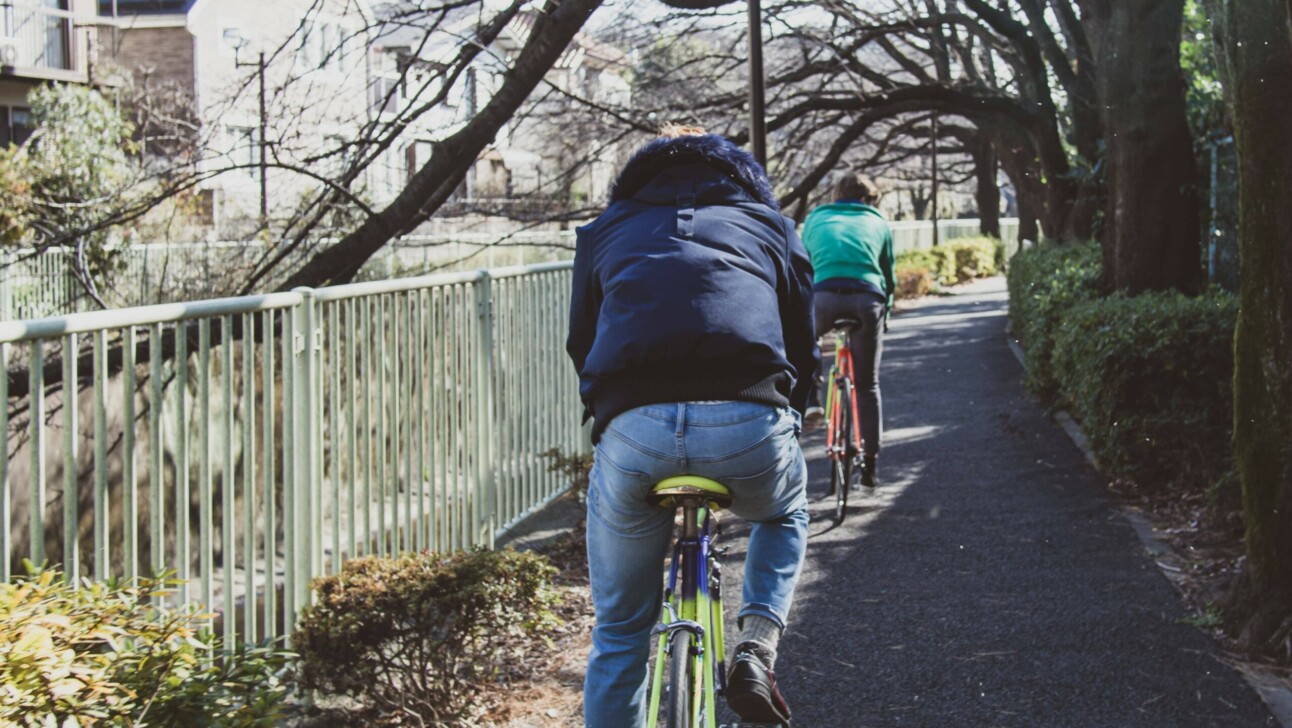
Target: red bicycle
{"type": "Point", "coordinates": [843, 441]}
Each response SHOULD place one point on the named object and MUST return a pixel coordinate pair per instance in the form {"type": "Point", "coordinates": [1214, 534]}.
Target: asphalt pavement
{"type": "Point", "coordinates": [990, 580]}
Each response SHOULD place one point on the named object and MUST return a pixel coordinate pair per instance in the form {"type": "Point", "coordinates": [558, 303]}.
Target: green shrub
{"type": "Point", "coordinates": [913, 281]}
{"type": "Point", "coordinates": [974, 258]}
{"type": "Point", "coordinates": [421, 634]}
{"type": "Point", "coordinates": [953, 262]}
{"type": "Point", "coordinates": [1150, 379]}
{"type": "Point", "coordinates": [939, 262]}
{"type": "Point", "coordinates": [1045, 282]}
{"type": "Point", "coordinates": [103, 654]}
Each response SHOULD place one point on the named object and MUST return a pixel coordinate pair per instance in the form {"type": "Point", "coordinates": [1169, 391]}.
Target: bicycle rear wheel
{"type": "Point", "coordinates": [680, 680]}
{"type": "Point", "coordinates": [841, 476]}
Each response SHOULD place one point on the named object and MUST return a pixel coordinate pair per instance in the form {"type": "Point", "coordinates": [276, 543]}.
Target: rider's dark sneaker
{"type": "Point", "coordinates": [868, 472]}
{"type": "Point", "coordinates": [751, 688]}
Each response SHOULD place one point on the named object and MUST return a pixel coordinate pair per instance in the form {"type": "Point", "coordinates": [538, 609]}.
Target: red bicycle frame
{"type": "Point", "coordinates": [841, 372]}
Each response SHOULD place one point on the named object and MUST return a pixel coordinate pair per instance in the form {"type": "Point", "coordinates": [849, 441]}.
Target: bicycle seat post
{"type": "Point", "coordinates": [690, 520]}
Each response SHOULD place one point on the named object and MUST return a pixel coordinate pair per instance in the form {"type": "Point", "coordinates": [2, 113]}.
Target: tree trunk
{"type": "Point", "coordinates": [986, 165]}
{"type": "Point", "coordinates": [450, 159]}
{"type": "Point", "coordinates": [1151, 233]}
{"type": "Point", "coordinates": [919, 202]}
{"type": "Point", "coordinates": [1019, 162]}
{"type": "Point", "coordinates": [1257, 51]}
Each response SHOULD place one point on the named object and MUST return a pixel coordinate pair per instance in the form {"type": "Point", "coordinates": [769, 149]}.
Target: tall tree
{"type": "Point", "coordinates": [1151, 237]}
{"type": "Point", "coordinates": [1256, 54]}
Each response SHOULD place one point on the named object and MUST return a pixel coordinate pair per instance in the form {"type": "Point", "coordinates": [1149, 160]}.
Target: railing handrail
{"type": "Point", "coordinates": [513, 271]}
{"type": "Point", "coordinates": [80, 323]}
{"type": "Point", "coordinates": [393, 285]}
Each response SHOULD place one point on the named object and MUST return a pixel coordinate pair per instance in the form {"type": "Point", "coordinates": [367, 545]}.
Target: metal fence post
{"type": "Point", "coordinates": [306, 412]}
{"type": "Point", "coordinates": [6, 306]}
{"type": "Point", "coordinates": [482, 395]}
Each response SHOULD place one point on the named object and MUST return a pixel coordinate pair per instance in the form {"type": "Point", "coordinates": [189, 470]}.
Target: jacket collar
{"type": "Point", "coordinates": [857, 205]}
{"type": "Point", "coordinates": [734, 164]}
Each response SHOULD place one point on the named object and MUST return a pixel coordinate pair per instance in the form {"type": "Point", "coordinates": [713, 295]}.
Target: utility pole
{"type": "Point", "coordinates": [264, 129]}
{"type": "Point", "coordinates": [264, 162]}
{"type": "Point", "coordinates": [757, 83]}
{"type": "Point", "coordinates": [757, 100]}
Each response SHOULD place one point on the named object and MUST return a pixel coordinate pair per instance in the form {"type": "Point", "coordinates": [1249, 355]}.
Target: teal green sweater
{"type": "Point", "coordinates": [851, 240]}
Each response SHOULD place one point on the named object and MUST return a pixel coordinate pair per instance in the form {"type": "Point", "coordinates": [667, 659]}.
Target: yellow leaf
{"type": "Point", "coordinates": [34, 639]}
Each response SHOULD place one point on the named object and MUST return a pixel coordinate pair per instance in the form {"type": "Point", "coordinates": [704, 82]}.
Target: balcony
{"type": "Point", "coordinates": [38, 42]}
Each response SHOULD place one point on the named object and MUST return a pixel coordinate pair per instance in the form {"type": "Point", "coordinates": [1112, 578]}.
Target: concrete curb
{"type": "Point", "coordinates": [1272, 687]}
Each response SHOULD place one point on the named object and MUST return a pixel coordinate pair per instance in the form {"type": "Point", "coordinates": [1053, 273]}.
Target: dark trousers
{"type": "Point", "coordinates": [867, 346]}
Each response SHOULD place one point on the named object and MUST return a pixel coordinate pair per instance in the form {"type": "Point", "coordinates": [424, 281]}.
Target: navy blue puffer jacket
{"type": "Point", "coordinates": [691, 286]}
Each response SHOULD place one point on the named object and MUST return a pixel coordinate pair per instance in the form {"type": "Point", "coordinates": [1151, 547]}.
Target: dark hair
{"type": "Point", "coordinates": [856, 186]}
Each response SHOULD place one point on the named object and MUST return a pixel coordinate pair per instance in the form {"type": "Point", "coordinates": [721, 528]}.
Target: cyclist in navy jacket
{"type": "Point", "coordinates": [691, 329]}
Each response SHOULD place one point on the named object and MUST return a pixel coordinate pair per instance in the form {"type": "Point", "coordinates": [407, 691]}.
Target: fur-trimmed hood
{"type": "Point", "coordinates": [718, 152]}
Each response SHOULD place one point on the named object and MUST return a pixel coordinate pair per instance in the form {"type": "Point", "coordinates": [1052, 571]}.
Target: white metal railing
{"type": "Point", "coordinates": [918, 234]}
{"type": "Point", "coordinates": [251, 444]}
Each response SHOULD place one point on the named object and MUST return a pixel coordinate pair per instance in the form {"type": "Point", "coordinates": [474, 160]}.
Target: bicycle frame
{"type": "Point", "coordinates": [694, 604]}
{"type": "Point", "coordinates": [840, 371]}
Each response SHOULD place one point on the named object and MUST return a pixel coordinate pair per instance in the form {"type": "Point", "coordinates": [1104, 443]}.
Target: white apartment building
{"type": "Point", "coordinates": [315, 77]}
{"type": "Point", "coordinates": [527, 150]}
{"type": "Point", "coordinates": [334, 70]}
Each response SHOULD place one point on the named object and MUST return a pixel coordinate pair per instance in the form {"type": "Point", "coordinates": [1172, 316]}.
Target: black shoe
{"type": "Point", "coordinates": [751, 689]}
{"type": "Point", "coordinates": [868, 472]}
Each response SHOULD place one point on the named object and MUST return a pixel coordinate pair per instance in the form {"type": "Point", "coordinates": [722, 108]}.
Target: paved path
{"type": "Point", "coordinates": [991, 580]}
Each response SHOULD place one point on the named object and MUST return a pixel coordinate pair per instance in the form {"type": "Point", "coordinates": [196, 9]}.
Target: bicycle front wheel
{"type": "Point", "coordinates": [680, 681]}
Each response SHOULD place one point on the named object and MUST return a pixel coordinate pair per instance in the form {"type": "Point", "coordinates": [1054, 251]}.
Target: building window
{"type": "Point", "coordinates": [390, 81]}
{"type": "Point", "coordinates": [322, 46]}
{"type": "Point", "coordinates": [244, 149]}
{"type": "Point", "coordinates": [16, 125]}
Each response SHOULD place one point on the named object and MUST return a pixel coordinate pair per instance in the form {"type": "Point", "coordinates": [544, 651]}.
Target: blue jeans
{"type": "Point", "coordinates": [753, 449]}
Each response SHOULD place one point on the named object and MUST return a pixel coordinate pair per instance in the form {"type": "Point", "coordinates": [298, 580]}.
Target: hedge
{"type": "Point", "coordinates": [1044, 283]}
{"type": "Point", "coordinates": [1149, 378]}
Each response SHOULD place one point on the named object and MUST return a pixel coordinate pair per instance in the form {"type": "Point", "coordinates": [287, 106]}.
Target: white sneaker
{"type": "Point", "coordinates": [813, 419]}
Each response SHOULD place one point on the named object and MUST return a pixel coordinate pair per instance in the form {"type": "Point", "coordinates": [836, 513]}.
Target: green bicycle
{"type": "Point", "coordinates": [690, 646]}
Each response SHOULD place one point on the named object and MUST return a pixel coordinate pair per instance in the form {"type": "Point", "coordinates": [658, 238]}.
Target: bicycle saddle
{"type": "Point", "coordinates": [846, 322]}
{"type": "Point", "coordinates": [667, 490]}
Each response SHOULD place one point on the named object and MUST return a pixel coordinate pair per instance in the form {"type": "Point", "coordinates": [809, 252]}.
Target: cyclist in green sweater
{"type": "Point", "coordinates": [851, 247]}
